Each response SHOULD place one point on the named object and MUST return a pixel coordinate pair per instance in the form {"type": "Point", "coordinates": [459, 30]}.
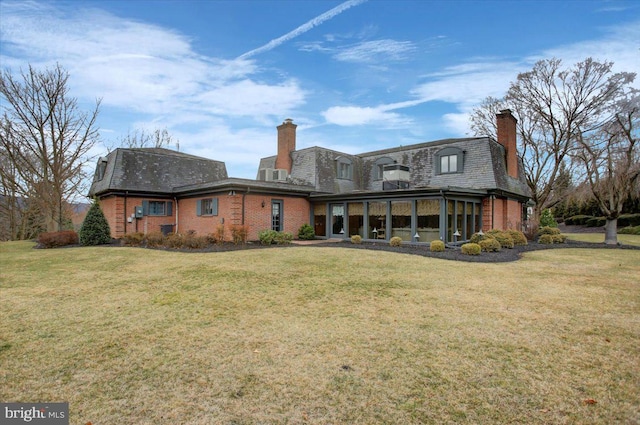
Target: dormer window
{"type": "Point", "coordinates": [449, 161]}
{"type": "Point", "coordinates": [101, 168]}
{"type": "Point", "coordinates": [344, 169]}
{"type": "Point", "coordinates": [379, 167]}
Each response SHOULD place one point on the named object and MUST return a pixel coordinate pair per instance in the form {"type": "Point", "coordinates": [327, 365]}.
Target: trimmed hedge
{"type": "Point", "coordinates": [518, 237]}
{"type": "Point", "coordinates": [596, 222]}
{"type": "Point", "coordinates": [470, 249]}
{"type": "Point", "coordinates": [577, 220]}
{"type": "Point", "coordinates": [395, 241]}
{"type": "Point", "coordinates": [56, 239]}
{"type": "Point", "coordinates": [629, 220]}
{"type": "Point", "coordinates": [356, 239]}
{"type": "Point", "coordinates": [490, 245]}
{"type": "Point", "coordinates": [436, 246]}
{"type": "Point", "coordinates": [629, 230]}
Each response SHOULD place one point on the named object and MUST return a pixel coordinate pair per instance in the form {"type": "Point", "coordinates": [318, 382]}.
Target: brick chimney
{"type": "Point", "coordinates": [507, 138]}
{"type": "Point", "coordinates": [286, 144]}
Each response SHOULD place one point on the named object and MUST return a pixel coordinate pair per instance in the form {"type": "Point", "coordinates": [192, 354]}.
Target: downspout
{"type": "Point", "coordinates": [176, 201]}
{"type": "Point", "coordinates": [243, 206]}
{"type": "Point", "coordinates": [125, 211]}
{"type": "Point", "coordinates": [493, 211]}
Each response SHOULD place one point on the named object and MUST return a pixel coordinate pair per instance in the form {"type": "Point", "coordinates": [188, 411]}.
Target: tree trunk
{"type": "Point", "coordinates": [611, 231]}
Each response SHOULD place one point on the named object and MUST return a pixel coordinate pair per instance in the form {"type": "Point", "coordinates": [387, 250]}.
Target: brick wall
{"type": "Point", "coordinates": [501, 213]}
{"type": "Point", "coordinates": [230, 211]}
{"type": "Point", "coordinates": [117, 209]}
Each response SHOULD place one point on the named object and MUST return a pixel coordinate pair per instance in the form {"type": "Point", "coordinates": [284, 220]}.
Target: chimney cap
{"type": "Point", "coordinates": [505, 111]}
{"type": "Point", "coordinates": [288, 121]}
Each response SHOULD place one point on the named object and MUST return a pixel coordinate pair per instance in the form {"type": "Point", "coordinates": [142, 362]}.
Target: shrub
{"type": "Point", "coordinates": [504, 238]}
{"type": "Point", "coordinates": [306, 232]}
{"type": "Point", "coordinates": [489, 245]}
{"type": "Point", "coordinates": [195, 242]}
{"type": "Point", "coordinates": [559, 238]}
{"type": "Point", "coordinates": [175, 240]}
{"type": "Point", "coordinates": [55, 239]}
{"type": "Point", "coordinates": [283, 238]}
{"type": "Point", "coordinates": [546, 239]}
{"type": "Point", "coordinates": [154, 239]}
{"type": "Point", "coordinates": [470, 249]}
{"type": "Point", "coordinates": [596, 222]}
{"type": "Point", "coordinates": [518, 237]}
{"type": "Point", "coordinates": [630, 230]}
{"type": "Point", "coordinates": [548, 231]}
{"type": "Point", "coordinates": [395, 241]}
{"type": "Point", "coordinates": [477, 237]}
{"type": "Point", "coordinates": [95, 228]}
{"type": "Point", "coordinates": [547, 220]}
{"type": "Point", "coordinates": [356, 239]}
{"type": "Point", "coordinates": [577, 220]}
{"type": "Point", "coordinates": [133, 239]}
{"type": "Point", "coordinates": [437, 246]}
{"type": "Point", "coordinates": [220, 233]}
{"type": "Point", "coordinates": [267, 237]}
{"type": "Point", "coordinates": [629, 220]}
{"type": "Point", "coordinates": [239, 234]}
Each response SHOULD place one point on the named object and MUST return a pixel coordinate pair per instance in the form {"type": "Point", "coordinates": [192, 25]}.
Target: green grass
{"type": "Point", "coordinates": [599, 238]}
{"type": "Point", "coordinates": [321, 336]}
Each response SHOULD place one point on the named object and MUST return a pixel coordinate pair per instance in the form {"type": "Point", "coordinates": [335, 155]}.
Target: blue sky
{"type": "Point", "coordinates": [355, 76]}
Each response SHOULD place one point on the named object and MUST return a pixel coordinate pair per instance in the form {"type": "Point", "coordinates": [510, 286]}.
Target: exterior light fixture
{"type": "Point", "coordinates": [262, 204]}
{"type": "Point", "coordinates": [481, 233]}
{"type": "Point", "coordinates": [456, 235]}
{"type": "Point", "coordinates": [342, 231]}
{"type": "Point", "coordinates": [416, 236]}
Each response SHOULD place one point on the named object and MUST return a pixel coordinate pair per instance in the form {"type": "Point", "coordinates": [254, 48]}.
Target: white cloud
{"type": "Point", "coordinates": [375, 51]}
{"type": "Point", "coordinates": [354, 115]}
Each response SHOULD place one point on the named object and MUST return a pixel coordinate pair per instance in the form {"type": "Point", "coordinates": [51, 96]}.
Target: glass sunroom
{"type": "Point", "coordinates": [418, 218]}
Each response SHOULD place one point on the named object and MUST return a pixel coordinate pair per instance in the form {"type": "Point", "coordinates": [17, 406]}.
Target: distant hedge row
{"type": "Point", "coordinates": [625, 220]}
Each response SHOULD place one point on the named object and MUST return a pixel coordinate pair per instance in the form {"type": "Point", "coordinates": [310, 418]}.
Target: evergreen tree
{"type": "Point", "coordinates": [95, 228]}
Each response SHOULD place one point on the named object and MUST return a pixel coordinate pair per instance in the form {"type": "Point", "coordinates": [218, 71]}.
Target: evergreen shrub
{"type": "Point", "coordinates": [470, 249]}
{"type": "Point", "coordinates": [489, 245]}
{"type": "Point", "coordinates": [356, 239]}
{"type": "Point", "coordinates": [95, 228]}
{"type": "Point", "coordinates": [306, 232]}
{"type": "Point", "coordinates": [395, 241]}
{"type": "Point", "coordinates": [437, 246]}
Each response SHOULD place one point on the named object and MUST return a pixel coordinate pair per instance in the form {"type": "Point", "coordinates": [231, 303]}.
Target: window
{"type": "Point", "coordinates": [379, 167]}
{"type": "Point", "coordinates": [276, 216]}
{"type": "Point", "coordinates": [449, 160]}
{"type": "Point", "coordinates": [207, 206]}
{"type": "Point", "coordinates": [343, 168]}
{"type": "Point", "coordinates": [100, 170]}
{"type": "Point", "coordinates": [449, 164]}
{"type": "Point", "coordinates": [157, 208]}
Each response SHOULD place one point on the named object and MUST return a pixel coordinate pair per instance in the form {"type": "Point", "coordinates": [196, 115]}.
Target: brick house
{"type": "Point", "coordinates": [446, 189]}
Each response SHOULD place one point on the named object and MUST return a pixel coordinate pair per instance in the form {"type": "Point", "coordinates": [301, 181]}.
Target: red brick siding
{"type": "Point", "coordinates": [501, 213]}
{"type": "Point", "coordinates": [114, 210]}
{"type": "Point", "coordinates": [230, 213]}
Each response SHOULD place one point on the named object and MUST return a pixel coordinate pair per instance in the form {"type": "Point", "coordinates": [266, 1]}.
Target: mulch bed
{"type": "Point", "coordinates": [454, 254]}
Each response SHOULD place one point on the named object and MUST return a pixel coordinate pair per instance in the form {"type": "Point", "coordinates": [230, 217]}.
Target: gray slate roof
{"type": "Point", "coordinates": [154, 170]}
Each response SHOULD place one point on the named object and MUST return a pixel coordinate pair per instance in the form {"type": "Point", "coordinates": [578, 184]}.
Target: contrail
{"type": "Point", "coordinates": [303, 28]}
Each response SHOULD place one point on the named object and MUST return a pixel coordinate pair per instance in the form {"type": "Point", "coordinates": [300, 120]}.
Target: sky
{"type": "Point", "coordinates": [355, 76]}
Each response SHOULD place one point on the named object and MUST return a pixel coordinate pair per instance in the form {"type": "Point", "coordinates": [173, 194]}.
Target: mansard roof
{"type": "Point", "coordinates": [153, 170]}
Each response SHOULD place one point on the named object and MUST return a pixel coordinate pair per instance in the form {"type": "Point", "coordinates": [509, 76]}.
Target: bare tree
{"type": "Point", "coordinates": [554, 106]}
{"type": "Point", "coordinates": [611, 159]}
{"type": "Point", "coordinates": [45, 140]}
{"type": "Point", "coordinates": [142, 139]}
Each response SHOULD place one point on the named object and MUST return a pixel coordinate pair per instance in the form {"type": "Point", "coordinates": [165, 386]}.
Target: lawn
{"type": "Point", "coordinates": [308, 335]}
{"type": "Point", "coordinates": [599, 238]}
